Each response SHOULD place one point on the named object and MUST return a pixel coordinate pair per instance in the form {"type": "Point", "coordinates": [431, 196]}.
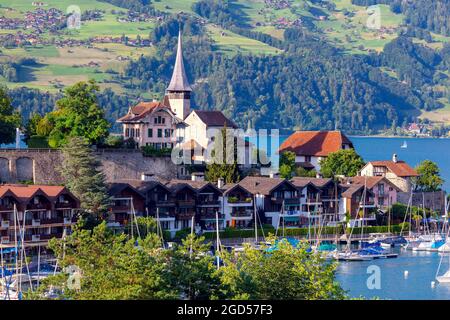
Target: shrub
{"type": "Point", "coordinates": [38, 142]}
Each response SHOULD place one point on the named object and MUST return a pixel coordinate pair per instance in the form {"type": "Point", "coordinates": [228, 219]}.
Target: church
{"type": "Point", "coordinates": [171, 122]}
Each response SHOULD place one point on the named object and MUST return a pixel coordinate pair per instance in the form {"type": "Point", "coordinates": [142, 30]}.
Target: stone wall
{"type": "Point", "coordinates": [40, 165]}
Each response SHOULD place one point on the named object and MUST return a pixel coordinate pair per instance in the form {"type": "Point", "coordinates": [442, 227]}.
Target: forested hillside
{"type": "Point", "coordinates": [288, 64]}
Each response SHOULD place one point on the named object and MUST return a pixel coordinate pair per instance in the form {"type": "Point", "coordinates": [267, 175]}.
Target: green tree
{"type": "Point", "coordinates": [429, 176]}
{"type": "Point", "coordinates": [31, 126]}
{"type": "Point", "coordinates": [285, 273]}
{"type": "Point", "coordinates": [287, 164]}
{"type": "Point", "coordinates": [219, 166]}
{"type": "Point", "coordinates": [110, 267]}
{"type": "Point", "coordinates": [192, 272]}
{"type": "Point", "coordinates": [302, 172]}
{"type": "Point", "coordinates": [343, 162]}
{"type": "Point", "coordinates": [9, 119]}
{"type": "Point", "coordinates": [80, 170]}
{"type": "Point", "coordinates": [78, 114]}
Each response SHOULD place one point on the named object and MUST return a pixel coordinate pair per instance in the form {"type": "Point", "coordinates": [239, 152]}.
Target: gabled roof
{"type": "Point", "coordinates": [142, 109]}
{"type": "Point", "coordinates": [116, 188]}
{"type": "Point", "coordinates": [317, 182]}
{"type": "Point", "coordinates": [197, 186]}
{"type": "Point", "coordinates": [351, 189]}
{"type": "Point", "coordinates": [214, 118]}
{"type": "Point", "coordinates": [179, 81]}
{"type": "Point", "coordinates": [263, 185]}
{"type": "Point", "coordinates": [315, 143]}
{"type": "Point", "coordinates": [371, 182]}
{"type": "Point", "coordinates": [145, 186]}
{"type": "Point", "coordinates": [399, 168]}
{"type": "Point", "coordinates": [25, 193]}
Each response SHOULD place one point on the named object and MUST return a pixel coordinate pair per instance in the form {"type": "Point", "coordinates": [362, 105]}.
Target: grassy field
{"type": "Point", "coordinates": [231, 43]}
{"type": "Point", "coordinates": [440, 115]}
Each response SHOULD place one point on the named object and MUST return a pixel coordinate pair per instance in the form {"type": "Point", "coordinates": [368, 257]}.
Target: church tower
{"type": "Point", "coordinates": [179, 90]}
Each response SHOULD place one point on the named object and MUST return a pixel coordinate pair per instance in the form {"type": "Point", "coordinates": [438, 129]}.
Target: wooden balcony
{"type": "Point", "coordinates": [186, 203]}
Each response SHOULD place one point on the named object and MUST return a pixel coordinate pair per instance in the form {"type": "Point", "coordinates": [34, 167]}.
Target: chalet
{"type": "Point", "coordinates": [396, 171]}
{"type": "Point", "coordinates": [384, 191]}
{"type": "Point", "coordinates": [238, 205]}
{"type": "Point", "coordinates": [44, 211]}
{"type": "Point", "coordinates": [277, 198]}
{"type": "Point", "coordinates": [310, 147]}
{"type": "Point", "coordinates": [358, 202]}
{"type": "Point", "coordinates": [126, 204]}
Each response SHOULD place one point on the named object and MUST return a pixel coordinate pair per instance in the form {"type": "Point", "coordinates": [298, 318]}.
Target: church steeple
{"type": "Point", "coordinates": [179, 89]}
{"type": "Point", "coordinates": [179, 81]}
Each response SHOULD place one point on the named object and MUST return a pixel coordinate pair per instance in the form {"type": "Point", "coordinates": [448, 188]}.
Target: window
{"type": "Point", "coordinates": [307, 158]}
{"type": "Point", "coordinates": [159, 133]}
{"type": "Point", "coordinates": [156, 120]}
{"type": "Point", "coordinates": [150, 133]}
{"type": "Point", "coordinates": [127, 132]}
{"type": "Point", "coordinates": [132, 132]}
{"type": "Point", "coordinates": [163, 120]}
{"type": "Point", "coordinates": [168, 133]}
{"type": "Point", "coordinates": [138, 133]}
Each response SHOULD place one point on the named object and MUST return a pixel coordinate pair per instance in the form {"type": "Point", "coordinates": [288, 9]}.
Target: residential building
{"type": "Point", "coordinates": [150, 124]}
{"type": "Point", "coordinates": [358, 201]}
{"type": "Point", "coordinates": [127, 203]}
{"type": "Point", "coordinates": [396, 171]}
{"type": "Point", "coordinates": [43, 211]}
{"type": "Point", "coordinates": [311, 147]}
{"type": "Point", "coordinates": [384, 191]}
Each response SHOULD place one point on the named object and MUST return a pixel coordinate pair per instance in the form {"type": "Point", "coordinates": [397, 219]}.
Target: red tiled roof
{"type": "Point", "coordinates": [140, 110]}
{"type": "Point", "coordinates": [370, 182]}
{"type": "Point", "coordinates": [315, 143]}
{"type": "Point", "coordinates": [26, 192]}
{"type": "Point", "coordinates": [399, 168]}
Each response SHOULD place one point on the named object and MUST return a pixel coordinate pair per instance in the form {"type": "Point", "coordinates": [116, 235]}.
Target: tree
{"type": "Point", "coordinates": [429, 176]}
{"type": "Point", "coordinates": [302, 172]}
{"type": "Point", "coordinates": [343, 162]}
{"type": "Point", "coordinates": [9, 120]}
{"type": "Point", "coordinates": [80, 170]}
{"type": "Point", "coordinates": [109, 266]}
{"type": "Point", "coordinates": [287, 164]}
{"type": "Point", "coordinates": [31, 126]}
{"type": "Point", "coordinates": [78, 115]}
{"type": "Point", "coordinates": [191, 271]}
{"type": "Point", "coordinates": [218, 166]}
{"type": "Point", "coordinates": [285, 273]}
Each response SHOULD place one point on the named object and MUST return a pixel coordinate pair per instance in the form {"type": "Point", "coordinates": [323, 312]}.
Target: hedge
{"type": "Point", "coordinates": [38, 142]}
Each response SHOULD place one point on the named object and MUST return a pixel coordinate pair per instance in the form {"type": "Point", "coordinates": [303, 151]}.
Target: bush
{"type": "Point", "coordinates": [38, 142]}
{"type": "Point", "coordinates": [150, 151]}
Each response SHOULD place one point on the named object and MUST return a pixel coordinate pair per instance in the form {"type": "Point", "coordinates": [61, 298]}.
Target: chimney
{"type": "Point", "coordinates": [394, 158]}
{"type": "Point", "coordinates": [220, 183]}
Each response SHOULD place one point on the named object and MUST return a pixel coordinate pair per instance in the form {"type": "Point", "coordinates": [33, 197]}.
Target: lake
{"type": "Point", "coordinates": [421, 267]}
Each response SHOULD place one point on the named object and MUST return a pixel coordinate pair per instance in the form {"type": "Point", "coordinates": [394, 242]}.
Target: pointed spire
{"type": "Point", "coordinates": [179, 81]}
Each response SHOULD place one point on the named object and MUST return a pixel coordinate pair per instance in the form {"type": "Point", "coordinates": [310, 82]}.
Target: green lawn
{"type": "Point", "coordinates": [232, 43]}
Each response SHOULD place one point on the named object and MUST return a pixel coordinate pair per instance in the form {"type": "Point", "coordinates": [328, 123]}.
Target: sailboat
{"type": "Point", "coordinates": [404, 145]}
{"type": "Point", "coordinates": [445, 278]}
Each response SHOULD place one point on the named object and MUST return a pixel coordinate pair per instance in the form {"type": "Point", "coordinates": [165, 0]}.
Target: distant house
{"type": "Point", "coordinates": [414, 128]}
{"type": "Point", "coordinates": [396, 171]}
{"type": "Point", "coordinates": [310, 147]}
{"type": "Point", "coordinates": [358, 201]}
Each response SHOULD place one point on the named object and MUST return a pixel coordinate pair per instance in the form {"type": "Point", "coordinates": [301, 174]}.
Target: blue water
{"type": "Point", "coordinates": [422, 267]}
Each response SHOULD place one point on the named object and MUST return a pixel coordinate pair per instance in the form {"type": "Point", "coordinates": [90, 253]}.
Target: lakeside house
{"type": "Point", "coordinates": [311, 147]}
{"type": "Point", "coordinates": [43, 211]}
{"type": "Point", "coordinates": [396, 171]}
